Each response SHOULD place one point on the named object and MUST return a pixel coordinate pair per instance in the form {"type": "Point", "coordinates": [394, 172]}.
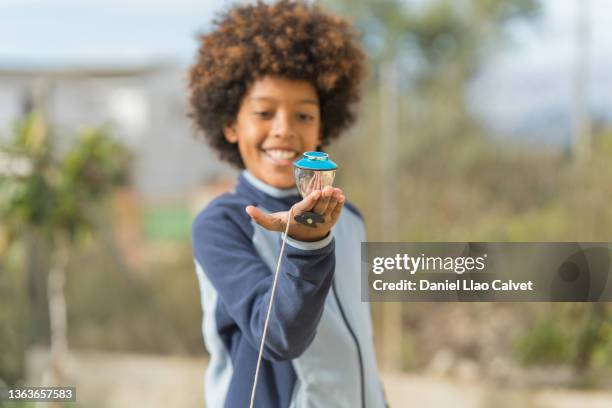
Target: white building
{"type": "Point", "coordinates": [144, 106]}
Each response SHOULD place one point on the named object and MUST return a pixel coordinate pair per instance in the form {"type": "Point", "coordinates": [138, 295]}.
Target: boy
{"type": "Point", "coordinates": [271, 82]}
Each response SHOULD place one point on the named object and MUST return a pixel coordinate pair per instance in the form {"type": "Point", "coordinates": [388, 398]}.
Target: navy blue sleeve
{"type": "Point", "coordinates": [352, 208]}
{"type": "Point", "coordinates": [222, 240]}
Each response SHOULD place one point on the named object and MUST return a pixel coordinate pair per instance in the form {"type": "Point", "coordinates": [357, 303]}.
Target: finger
{"type": "Point", "coordinates": [265, 220]}
{"type": "Point", "coordinates": [319, 180]}
{"type": "Point", "coordinates": [307, 203]}
{"type": "Point", "coordinates": [336, 211]}
{"type": "Point", "coordinates": [333, 202]}
{"type": "Point", "coordinates": [310, 187]}
{"type": "Point", "coordinates": [322, 204]}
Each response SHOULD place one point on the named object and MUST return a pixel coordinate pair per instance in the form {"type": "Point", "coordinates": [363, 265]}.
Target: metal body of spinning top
{"type": "Point", "coordinates": [314, 171]}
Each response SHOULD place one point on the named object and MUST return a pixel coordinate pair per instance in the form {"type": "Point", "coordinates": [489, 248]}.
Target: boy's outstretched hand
{"type": "Point", "coordinates": [327, 203]}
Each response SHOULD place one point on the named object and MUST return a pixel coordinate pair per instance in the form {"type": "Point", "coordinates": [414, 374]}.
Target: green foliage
{"type": "Point", "coordinates": [435, 36]}
{"type": "Point", "coordinates": [547, 341]}
{"type": "Point", "coordinates": [95, 164]}
{"type": "Point", "coordinates": [91, 168]}
{"type": "Point", "coordinates": [409, 352]}
{"type": "Point", "coordinates": [58, 192]}
{"type": "Point", "coordinates": [45, 195]}
{"type": "Point", "coordinates": [167, 223]}
{"type": "Point", "coordinates": [24, 197]}
{"type": "Point", "coordinates": [17, 405]}
{"type": "Point", "coordinates": [13, 315]}
{"type": "Point", "coordinates": [602, 354]}
{"type": "Point", "coordinates": [577, 334]}
{"type": "Point", "coordinates": [153, 309]}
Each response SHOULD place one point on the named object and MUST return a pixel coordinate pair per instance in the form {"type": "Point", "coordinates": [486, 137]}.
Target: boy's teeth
{"type": "Point", "coordinates": [281, 154]}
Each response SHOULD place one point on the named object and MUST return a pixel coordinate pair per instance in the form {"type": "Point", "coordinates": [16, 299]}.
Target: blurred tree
{"type": "Point", "coordinates": [581, 118]}
{"type": "Point", "coordinates": [437, 47]}
{"type": "Point", "coordinates": [431, 50]}
{"type": "Point", "coordinates": [429, 36]}
{"type": "Point", "coordinates": [56, 196]}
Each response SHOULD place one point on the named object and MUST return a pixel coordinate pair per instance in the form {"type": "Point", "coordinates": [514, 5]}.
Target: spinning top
{"type": "Point", "coordinates": [313, 171]}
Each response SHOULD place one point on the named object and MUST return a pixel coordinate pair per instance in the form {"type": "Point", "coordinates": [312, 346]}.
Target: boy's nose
{"type": "Point", "coordinates": [283, 126]}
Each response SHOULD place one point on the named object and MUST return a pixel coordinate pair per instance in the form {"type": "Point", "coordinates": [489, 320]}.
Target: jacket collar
{"type": "Point", "coordinates": [262, 194]}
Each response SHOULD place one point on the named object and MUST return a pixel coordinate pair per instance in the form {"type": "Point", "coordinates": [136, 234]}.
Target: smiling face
{"type": "Point", "coordinates": [279, 119]}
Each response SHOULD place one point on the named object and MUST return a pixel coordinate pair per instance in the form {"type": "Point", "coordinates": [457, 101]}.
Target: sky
{"type": "Point", "coordinates": [109, 32]}
{"type": "Point", "coordinates": [50, 32]}
{"type": "Point", "coordinates": [525, 83]}
{"type": "Point", "coordinates": [527, 88]}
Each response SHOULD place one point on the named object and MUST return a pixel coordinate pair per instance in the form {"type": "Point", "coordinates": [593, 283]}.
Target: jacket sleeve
{"type": "Point", "coordinates": [223, 247]}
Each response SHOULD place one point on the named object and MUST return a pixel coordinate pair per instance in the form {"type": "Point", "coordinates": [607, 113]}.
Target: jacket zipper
{"type": "Point", "coordinates": [356, 342]}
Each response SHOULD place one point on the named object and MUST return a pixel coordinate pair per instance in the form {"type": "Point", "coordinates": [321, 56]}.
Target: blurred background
{"type": "Point", "coordinates": [481, 120]}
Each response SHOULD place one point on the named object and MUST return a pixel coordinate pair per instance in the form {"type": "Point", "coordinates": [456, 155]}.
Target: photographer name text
{"type": "Point", "coordinates": [449, 285]}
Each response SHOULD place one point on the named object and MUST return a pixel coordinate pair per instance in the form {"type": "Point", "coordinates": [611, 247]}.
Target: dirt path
{"type": "Point", "coordinates": [411, 390]}
{"type": "Point", "coordinates": [109, 380]}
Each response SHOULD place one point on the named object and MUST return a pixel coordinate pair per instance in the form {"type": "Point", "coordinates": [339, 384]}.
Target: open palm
{"type": "Point", "coordinates": [327, 202]}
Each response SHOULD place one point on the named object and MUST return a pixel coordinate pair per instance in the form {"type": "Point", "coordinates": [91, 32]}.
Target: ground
{"type": "Point", "coordinates": [110, 379]}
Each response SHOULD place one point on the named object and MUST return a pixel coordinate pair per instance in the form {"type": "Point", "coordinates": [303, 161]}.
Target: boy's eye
{"type": "Point", "coordinates": [263, 114]}
{"type": "Point", "coordinates": [305, 117]}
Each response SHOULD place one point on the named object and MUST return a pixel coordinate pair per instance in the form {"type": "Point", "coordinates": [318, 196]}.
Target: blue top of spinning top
{"type": "Point", "coordinates": [315, 161]}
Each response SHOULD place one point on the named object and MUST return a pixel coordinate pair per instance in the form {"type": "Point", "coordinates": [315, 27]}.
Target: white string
{"type": "Point", "coordinates": [265, 328]}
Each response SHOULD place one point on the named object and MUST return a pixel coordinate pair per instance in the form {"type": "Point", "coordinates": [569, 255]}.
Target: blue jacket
{"type": "Point", "coordinates": [319, 350]}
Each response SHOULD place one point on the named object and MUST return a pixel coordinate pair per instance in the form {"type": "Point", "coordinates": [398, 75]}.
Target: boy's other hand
{"type": "Point", "coordinates": [327, 202]}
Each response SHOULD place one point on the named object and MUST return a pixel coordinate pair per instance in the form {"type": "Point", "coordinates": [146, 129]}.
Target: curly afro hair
{"type": "Point", "coordinates": [289, 39]}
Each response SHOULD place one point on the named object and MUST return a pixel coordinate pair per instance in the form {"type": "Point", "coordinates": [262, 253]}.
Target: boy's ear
{"type": "Point", "coordinates": [230, 134]}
